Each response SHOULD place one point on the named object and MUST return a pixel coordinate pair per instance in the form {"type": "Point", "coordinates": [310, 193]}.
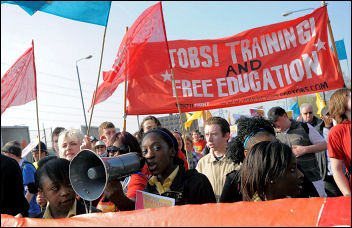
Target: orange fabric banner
{"type": "Point", "coordinates": [277, 61]}
{"type": "Point", "coordinates": [308, 212]}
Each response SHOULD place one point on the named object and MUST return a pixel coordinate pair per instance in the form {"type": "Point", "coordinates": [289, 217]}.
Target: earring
{"type": "Point", "coordinates": [271, 182]}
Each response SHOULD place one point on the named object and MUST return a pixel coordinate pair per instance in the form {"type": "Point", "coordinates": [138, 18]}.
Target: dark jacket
{"type": "Point", "coordinates": [188, 187]}
{"type": "Point", "coordinates": [298, 134]}
{"type": "Point", "coordinates": [12, 199]}
{"type": "Point", "coordinates": [81, 209]}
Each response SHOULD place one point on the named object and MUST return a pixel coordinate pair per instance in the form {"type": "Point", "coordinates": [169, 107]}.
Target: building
{"type": "Point", "coordinates": [172, 122]}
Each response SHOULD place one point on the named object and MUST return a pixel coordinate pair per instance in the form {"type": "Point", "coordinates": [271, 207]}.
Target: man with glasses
{"type": "Point", "coordinates": [304, 140]}
{"type": "Point", "coordinates": [306, 110]}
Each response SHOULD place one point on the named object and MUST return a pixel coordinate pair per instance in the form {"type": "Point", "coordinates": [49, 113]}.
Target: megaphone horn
{"type": "Point", "coordinates": [89, 173]}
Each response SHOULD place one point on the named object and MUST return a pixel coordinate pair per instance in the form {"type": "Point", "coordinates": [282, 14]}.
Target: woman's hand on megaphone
{"type": "Point", "coordinates": [113, 191]}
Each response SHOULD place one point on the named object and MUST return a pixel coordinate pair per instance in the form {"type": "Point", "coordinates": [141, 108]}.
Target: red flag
{"type": "Point", "coordinates": [18, 85]}
{"type": "Point", "coordinates": [286, 59]}
{"type": "Point", "coordinates": [143, 53]}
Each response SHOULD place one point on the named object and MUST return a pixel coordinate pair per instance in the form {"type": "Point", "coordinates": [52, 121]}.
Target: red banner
{"type": "Point", "coordinates": [18, 85]}
{"type": "Point", "coordinates": [282, 60]}
{"type": "Point", "coordinates": [142, 52]}
{"type": "Point", "coordinates": [287, 212]}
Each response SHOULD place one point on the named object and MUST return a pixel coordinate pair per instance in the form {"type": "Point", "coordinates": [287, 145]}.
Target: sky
{"type": "Point", "coordinates": [60, 42]}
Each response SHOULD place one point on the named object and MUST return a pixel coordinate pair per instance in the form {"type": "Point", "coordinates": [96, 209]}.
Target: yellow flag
{"type": "Point", "coordinates": [320, 104]}
{"type": "Point", "coordinates": [195, 116]}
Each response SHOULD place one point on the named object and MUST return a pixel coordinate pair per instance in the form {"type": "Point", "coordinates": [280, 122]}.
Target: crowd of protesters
{"type": "Point", "coordinates": [269, 158]}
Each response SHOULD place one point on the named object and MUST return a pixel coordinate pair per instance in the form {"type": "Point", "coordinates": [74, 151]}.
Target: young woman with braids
{"type": "Point", "coordinates": [250, 132]}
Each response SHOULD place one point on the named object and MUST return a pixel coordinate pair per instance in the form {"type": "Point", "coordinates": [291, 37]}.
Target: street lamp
{"type": "Point", "coordinates": [290, 12]}
{"type": "Point", "coordinates": [79, 82]}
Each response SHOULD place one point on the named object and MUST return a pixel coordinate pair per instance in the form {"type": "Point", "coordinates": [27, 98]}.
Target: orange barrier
{"type": "Point", "coordinates": [335, 211]}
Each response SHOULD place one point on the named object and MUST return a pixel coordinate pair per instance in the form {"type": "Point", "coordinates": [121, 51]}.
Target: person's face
{"type": "Point", "coordinates": [290, 184]}
{"type": "Point", "coordinates": [61, 196]}
{"type": "Point", "coordinates": [195, 136]}
{"type": "Point", "coordinates": [214, 137]}
{"type": "Point", "coordinates": [70, 148]}
{"type": "Point", "coordinates": [158, 155]}
{"type": "Point", "coordinates": [35, 154]}
{"type": "Point", "coordinates": [307, 114]}
{"type": "Point", "coordinates": [189, 145]}
{"type": "Point", "coordinates": [55, 143]}
{"type": "Point", "coordinates": [149, 124]}
{"type": "Point", "coordinates": [109, 133]}
{"type": "Point", "coordinates": [282, 123]}
{"type": "Point", "coordinates": [100, 149]}
{"type": "Point", "coordinates": [179, 140]}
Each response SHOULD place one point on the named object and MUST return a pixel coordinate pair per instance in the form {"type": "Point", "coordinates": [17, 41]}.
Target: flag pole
{"type": "Point", "coordinates": [333, 44]}
{"type": "Point", "coordinates": [124, 101]}
{"type": "Point", "coordinates": [96, 87]}
{"type": "Point", "coordinates": [174, 86]}
{"type": "Point", "coordinates": [36, 100]}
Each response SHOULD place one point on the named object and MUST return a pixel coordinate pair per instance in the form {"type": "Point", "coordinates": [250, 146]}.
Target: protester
{"type": "Point", "coordinates": [122, 195]}
{"type": "Point", "coordinates": [100, 148]}
{"type": "Point", "coordinates": [41, 200]}
{"type": "Point", "coordinates": [190, 149]}
{"type": "Point", "coordinates": [321, 125]}
{"type": "Point", "coordinates": [331, 188]}
{"type": "Point", "coordinates": [55, 139]}
{"type": "Point", "coordinates": [181, 148]}
{"type": "Point", "coordinates": [307, 114]}
{"type": "Point", "coordinates": [35, 153]}
{"type": "Point", "coordinates": [12, 200]}
{"type": "Point", "coordinates": [53, 181]}
{"type": "Point", "coordinates": [250, 132]}
{"type": "Point", "coordinates": [304, 141]}
{"type": "Point", "coordinates": [339, 139]}
{"type": "Point", "coordinates": [170, 179]}
{"type": "Point", "coordinates": [13, 149]}
{"type": "Point", "coordinates": [270, 172]}
{"type": "Point", "coordinates": [198, 143]}
{"type": "Point", "coordinates": [69, 143]}
{"type": "Point", "coordinates": [216, 164]}
{"type": "Point", "coordinates": [107, 132]}
{"type": "Point", "coordinates": [148, 123]}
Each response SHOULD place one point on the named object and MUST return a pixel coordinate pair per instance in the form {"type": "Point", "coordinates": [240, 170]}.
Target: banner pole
{"type": "Point", "coordinates": [174, 85]}
{"type": "Point", "coordinates": [124, 101]}
{"type": "Point", "coordinates": [333, 44]}
{"type": "Point", "coordinates": [96, 87]}
{"type": "Point", "coordinates": [36, 100]}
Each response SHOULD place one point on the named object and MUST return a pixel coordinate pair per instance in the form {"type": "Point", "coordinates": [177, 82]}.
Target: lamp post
{"type": "Point", "coordinates": [290, 12]}
{"type": "Point", "coordinates": [79, 82]}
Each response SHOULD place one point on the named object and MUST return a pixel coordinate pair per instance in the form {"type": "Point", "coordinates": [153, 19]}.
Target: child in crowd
{"type": "Point", "coordinates": [53, 181]}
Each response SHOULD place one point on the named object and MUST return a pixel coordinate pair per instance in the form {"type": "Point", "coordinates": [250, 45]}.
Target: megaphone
{"type": "Point", "coordinates": [89, 173]}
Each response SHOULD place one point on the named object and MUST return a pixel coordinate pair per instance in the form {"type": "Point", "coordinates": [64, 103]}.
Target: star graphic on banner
{"type": "Point", "coordinates": [166, 76]}
{"type": "Point", "coordinates": [320, 45]}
